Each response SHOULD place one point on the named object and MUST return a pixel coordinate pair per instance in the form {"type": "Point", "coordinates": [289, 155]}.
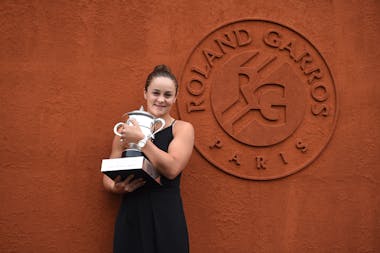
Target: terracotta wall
{"type": "Point", "coordinates": [70, 69]}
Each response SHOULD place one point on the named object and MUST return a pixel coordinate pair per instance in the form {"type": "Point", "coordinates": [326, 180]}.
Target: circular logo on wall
{"type": "Point", "coordinates": [261, 98]}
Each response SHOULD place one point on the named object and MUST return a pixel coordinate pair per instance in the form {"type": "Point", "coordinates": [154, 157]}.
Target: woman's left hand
{"type": "Point", "coordinates": [128, 185]}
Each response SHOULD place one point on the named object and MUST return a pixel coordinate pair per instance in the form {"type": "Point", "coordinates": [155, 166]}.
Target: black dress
{"type": "Point", "coordinates": [151, 219]}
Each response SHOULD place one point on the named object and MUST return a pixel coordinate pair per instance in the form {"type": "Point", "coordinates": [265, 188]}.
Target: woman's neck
{"type": "Point", "coordinates": [168, 120]}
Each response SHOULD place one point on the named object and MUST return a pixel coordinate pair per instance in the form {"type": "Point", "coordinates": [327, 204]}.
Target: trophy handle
{"type": "Point", "coordinates": [161, 127]}
{"type": "Point", "coordinates": [117, 127]}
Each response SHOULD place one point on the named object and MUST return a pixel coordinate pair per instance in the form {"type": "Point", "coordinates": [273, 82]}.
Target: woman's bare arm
{"type": "Point", "coordinates": [171, 163]}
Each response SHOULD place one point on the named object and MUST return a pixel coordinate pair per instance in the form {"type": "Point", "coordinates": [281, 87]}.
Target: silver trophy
{"type": "Point", "coordinates": [147, 122]}
{"type": "Point", "coordinates": [134, 161]}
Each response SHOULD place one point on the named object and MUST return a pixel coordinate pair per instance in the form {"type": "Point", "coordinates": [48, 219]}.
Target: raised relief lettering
{"type": "Point", "coordinates": [260, 88]}
{"type": "Point", "coordinates": [274, 39]}
{"type": "Point", "coordinates": [235, 159]}
{"type": "Point", "coordinates": [195, 87]}
{"type": "Point", "coordinates": [202, 72]}
{"type": "Point", "coordinates": [211, 56]}
{"type": "Point", "coordinates": [288, 46]}
{"type": "Point", "coordinates": [301, 56]}
{"type": "Point", "coordinates": [260, 163]}
{"type": "Point", "coordinates": [314, 74]}
{"type": "Point", "coordinates": [320, 109]}
{"type": "Point", "coordinates": [319, 92]}
{"type": "Point", "coordinates": [196, 106]}
{"type": "Point", "coordinates": [301, 145]}
{"type": "Point", "coordinates": [243, 37]}
{"type": "Point", "coordinates": [217, 144]}
{"type": "Point", "coordinates": [305, 60]}
{"type": "Point", "coordinates": [225, 42]}
{"type": "Point", "coordinates": [282, 155]}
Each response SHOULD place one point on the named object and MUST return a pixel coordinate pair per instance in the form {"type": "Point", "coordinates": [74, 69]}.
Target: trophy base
{"type": "Point", "coordinates": [139, 166]}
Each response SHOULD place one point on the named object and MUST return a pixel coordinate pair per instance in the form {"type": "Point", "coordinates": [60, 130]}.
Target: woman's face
{"type": "Point", "coordinates": [160, 96]}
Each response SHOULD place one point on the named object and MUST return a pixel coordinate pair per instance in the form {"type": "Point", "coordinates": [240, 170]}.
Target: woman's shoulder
{"type": "Point", "coordinates": [182, 126]}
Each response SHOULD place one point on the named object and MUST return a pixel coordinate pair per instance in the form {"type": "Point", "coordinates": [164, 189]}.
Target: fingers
{"type": "Point", "coordinates": [128, 185]}
{"type": "Point", "coordinates": [131, 132]}
{"type": "Point", "coordinates": [128, 179]}
{"type": "Point", "coordinates": [135, 184]}
{"type": "Point", "coordinates": [126, 128]}
{"type": "Point", "coordinates": [120, 128]}
{"type": "Point", "coordinates": [121, 184]}
{"type": "Point", "coordinates": [121, 131]}
{"type": "Point", "coordinates": [117, 179]}
{"type": "Point", "coordinates": [134, 122]}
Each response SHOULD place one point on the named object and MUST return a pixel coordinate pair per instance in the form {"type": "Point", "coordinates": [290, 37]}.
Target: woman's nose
{"type": "Point", "coordinates": [161, 99]}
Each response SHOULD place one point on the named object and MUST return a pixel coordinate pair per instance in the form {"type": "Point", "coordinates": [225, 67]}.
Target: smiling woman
{"type": "Point", "coordinates": [151, 218]}
{"type": "Point", "coordinates": [160, 96]}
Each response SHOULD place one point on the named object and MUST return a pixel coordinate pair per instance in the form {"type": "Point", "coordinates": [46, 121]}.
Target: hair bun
{"type": "Point", "coordinates": [162, 68]}
{"type": "Point", "coordinates": [161, 71]}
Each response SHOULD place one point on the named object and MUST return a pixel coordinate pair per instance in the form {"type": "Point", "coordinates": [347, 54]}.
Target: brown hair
{"type": "Point", "coordinates": [161, 71]}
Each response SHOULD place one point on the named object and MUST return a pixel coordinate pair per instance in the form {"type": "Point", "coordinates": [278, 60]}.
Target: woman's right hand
{"type": "Point", "coordinates": [127, 185]}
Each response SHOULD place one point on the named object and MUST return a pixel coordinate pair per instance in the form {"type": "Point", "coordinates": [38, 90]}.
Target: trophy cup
{"type": "Point", "coordinates": [133, 160]}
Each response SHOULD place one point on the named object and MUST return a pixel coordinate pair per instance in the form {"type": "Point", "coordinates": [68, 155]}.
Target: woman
{"type": "Point", "coordinates": [151, 219]}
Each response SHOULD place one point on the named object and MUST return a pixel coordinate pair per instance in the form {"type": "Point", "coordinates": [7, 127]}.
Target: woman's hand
{"type": "Point", "coordinates": [131, 133]}
{"type": "Point", "coordinates": [128, 185]}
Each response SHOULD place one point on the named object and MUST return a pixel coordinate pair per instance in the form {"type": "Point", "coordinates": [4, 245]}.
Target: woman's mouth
{"type": "Point", "coordinates": [160, 106]}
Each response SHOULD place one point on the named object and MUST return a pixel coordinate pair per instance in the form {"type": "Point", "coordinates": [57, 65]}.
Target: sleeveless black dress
{"type": "Point", "coordinates": [151, 219]}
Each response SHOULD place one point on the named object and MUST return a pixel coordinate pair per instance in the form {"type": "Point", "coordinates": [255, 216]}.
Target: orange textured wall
{"type": "Point", "coordinates": [70, 69]}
